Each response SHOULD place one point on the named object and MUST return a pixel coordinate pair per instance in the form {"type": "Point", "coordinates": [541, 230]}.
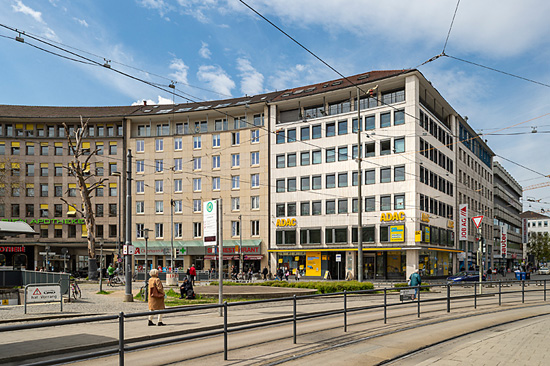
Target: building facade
{"type": "Point", "coordinates": [507, 210]}
{"type": "Point", "coordinates": [533, 222]}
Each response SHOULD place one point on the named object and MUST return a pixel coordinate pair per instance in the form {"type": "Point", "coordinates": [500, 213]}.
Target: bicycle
{"type": "Point", "coordinates": [117, 280]}
{"type": "Point", "coordinates": [75, 290]}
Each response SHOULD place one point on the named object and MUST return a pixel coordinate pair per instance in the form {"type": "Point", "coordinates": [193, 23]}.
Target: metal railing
{"type": "Point", "coordinates": [490, 286]}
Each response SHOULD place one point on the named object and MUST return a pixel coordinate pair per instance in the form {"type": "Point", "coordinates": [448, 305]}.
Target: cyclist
{"type": "Point", "coordinates": [111, 272]}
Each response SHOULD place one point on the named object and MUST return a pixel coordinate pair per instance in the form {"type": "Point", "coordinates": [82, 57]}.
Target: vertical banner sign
{"type": "Point", "coordinates": [503, 241]}
{"type": "Point", "coordinates": [463, 217]}
{"type": "Point", "coordinates": [524, 232]}
{"type": "Point", "coordinates": [210, 222]}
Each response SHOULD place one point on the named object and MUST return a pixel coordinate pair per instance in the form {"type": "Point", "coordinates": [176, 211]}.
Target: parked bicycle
{"type": "Point", "coordinates": [117, 280]}
{"type": "Point", "coordinates": [75, 290]}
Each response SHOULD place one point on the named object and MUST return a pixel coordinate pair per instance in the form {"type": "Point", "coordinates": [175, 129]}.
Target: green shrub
{"type": "Point", "coordinates": [397, 285]}
{"type": "Point", "coordinates": [322, 287]}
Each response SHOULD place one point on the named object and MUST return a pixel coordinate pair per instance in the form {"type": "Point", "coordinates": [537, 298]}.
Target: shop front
{"type": "Point", "coordinates": [17, 256]}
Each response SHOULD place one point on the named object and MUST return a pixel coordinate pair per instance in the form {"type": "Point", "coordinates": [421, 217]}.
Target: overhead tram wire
{"type": "Point", "coordinates": [523, 166]}
{"type": "Point", "coordinates": [450, 28]}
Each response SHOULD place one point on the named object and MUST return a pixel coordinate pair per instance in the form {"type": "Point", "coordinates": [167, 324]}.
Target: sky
{"type": "Point", "coordinates": [217, 49]}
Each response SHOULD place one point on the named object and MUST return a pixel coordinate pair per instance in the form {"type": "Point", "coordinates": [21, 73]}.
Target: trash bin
{"type": "Point", "coordinates": [527, 275]}
{"type": "Point", "coordinates": [518, 275]}
{"type": "Point", "coordinates": [522, 276]}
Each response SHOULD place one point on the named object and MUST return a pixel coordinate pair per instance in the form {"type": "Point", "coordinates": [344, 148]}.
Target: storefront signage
{"type": "Point", "coordinates": [396, 216]}
{"type": "Point", "coordinates": [463, 217]}
{"type": "Point", "coordinates": [418, 236]}
{"type": "Point", "coordinates": [210, 218]}
{"type": "Point", "coordinates": [425, 217]}
{"type": "Point", "coordinates": [503, 241]}
{"type": "Point", "coordinates": [524, 231]}
{"type": "Point", "coordinates": [12, 249]}
{"type": "Point", "coordinates": [427, 234]}
{"type": "Point", "coordinates": [231, 250]}
{"type": "Point", "coordinates": [285, 222]}
{"type": "Point", "coordinates": [49, 221]}
{"type": "Point", "coordinates": [450, 224]}
{"type": "Point", "coordinates": [397, 233]}
{"type": "Point", "coordinates": [152, 251]}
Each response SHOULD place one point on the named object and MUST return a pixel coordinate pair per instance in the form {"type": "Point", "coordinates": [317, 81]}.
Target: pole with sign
{"type": "Point", "coordinates": [477, 223]}
{"type": "Point", "coordinates": [338, 260]}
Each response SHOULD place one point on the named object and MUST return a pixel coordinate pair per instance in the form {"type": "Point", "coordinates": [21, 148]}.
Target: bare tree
{"type": "Point", "coordinates": [539, 246]}
{"type": "Point", "coordinates": [87, 183]}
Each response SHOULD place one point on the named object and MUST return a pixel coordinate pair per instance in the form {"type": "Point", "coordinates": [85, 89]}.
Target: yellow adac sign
{"type": "Point", "coordinates": [395, 216]}
{"type": "Point", "coordinates": [425, 217]}
{"type": "Point", "coordinates": [285, 222]}
{"type": "Point", "coordinates": [418, 236]}
{"type": "Point", "coordinates": [450, 224]}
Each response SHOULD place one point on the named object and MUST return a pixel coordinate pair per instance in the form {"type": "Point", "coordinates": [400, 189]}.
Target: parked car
{"type": "Point", "coordinates": [466, 276]}
{"type": "Point", "coordinates": [544, 271]}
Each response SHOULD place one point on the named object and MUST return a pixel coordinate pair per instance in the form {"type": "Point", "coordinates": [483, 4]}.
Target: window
{"type": "Point", "coordinates": [112, 148]}
{"type": "Point", "coordinates": [58, 170]}
{"type": "Point", "coordinates": [330, 155]}
{"type": "Point", "coordinates": [112, 189]}
{"type": "Point", "coordinates": [58, 210]}
{"type": "Point", "coordinates": [220, 125]}
{"type": "Point", "coordinates": [385, 119]}
{"type": "Point", "coordinates": [215, 162]}
{"type": "Point", "coordinates": [304, 183]}
{"type": "Point", "coordinates": [15, 210]}
{"type": "Point", "coordinates": [259, 119]}
{"type": "Point", "coordinates": [370, 176]}
{"type": "Point", "coordinates": [316, 157]}
{"type": "Point", "coordinates": [140, 207]}
{"type": "Point", "coordinates": [255, 202]}
{"type": "Point", "coordinates": [178, 229]}
{"type": "Point", "coordinates": [342, 179]}
{"type": "Point", "coordinates": [30, 190]}
{"type": "Point", "coordinates": [30, 148]}
{"type": "Point", "coordinates": [342, 206]}
{"type": "Point", "coordinates": [197, 230]}
{"type": "Point", "coordinates": [112, 168]}
{"type": "Point", "coordinates": [255, 227]}
{"type": "Point", "coordinates": [291, 135]}
{"type": "Point", "coordinates": [178, 143]}
{"type": "Point", "coordinates": [399, 173]}
{"type": "Point", "coordinates": [235, 160]}
{"type": "Point", "coordinates": [354, 179]}
{"type": "Point", "coordinates": [385, 203]}
{"type": "Point", "coordinates": [29, 210]}
{"type": "Point", "coordinates": [370, 123]}
{"type": "Point", "coordinates": [29, 170]}
{"type": "Point", "coordinates": [197, 184]}
{"type": "Point", "coordinates": [235, 182]}
{"type": "Point", "coordinates": [159, 186]}
{"type": "Point", "coordinates": [235, 228]}
{"type": "Point", "coordinates": [291, 160]}
{"type": "Point", "coordinates": [43, 190]}
{"type": "Point", "coordinates": [305, 209]}
{"type": "Point", "coordinates": [385, 175]}
{"type": "Point", "coordinates": [291, 209]}
{"type": "Point", "coordinates": [399, 117]}
{"type": "Point", "coordinates": [197, 163]}
{"type": "Point", "coordinates": [304, 133]}
{"type": "Point", "coordinates": [304, 158]}
{"type": "Point", "coordinates": [140, 166]}
{"type": "Point", "coordinates": [254, 136]}
{"type": "Point", "coordinates": [330, 207]}
{"type": "Point", "coordinates": [399, 145]}
{"type": "Point", "coordinates": [316, 208]}
{"type": "Point", "coordinates": [58, 190]}
{"type": "Point", "coordinates": [99, 148]}
{"type": "Point", "coordinates": [291, 185]}
{"type": "Point", "coordinates": [280, 161]}
{"type": "Point", "coordinates": [287, 237]}
{"type": "Point", "coordinates": [316, 132]}
{"type": "Point", "coordinates": [140, 146]}
{"type": "Point", "coordinates": [197, 205]}
{"type": "Point", "coordinates": [216, 140]}
{"type": "Point", "coordinates": [178, 164]}
{"type": "Point", "coordinates": [58, 149]}
{"type": "Point", "coordinates": [342, 153]}
{"type": "Point", "coordinates": [159, 165]}
{"type": "Point", "coordinates": [385, 147]}
{"type": "Point", "coordinates": [280, 137]}
{"type": "Point", "coordinates": [280, 210]}
{"type": "Point", "coordinates": [343, 127]}
{"type": "Point", "coordinates": [44, 148]}
{"type": "Point", "coordinates": [159, 230]}
{"type": "Point", "coordinates": [399, 202]}
{"type": "Point", "coordinates": [215, 183]}
{"type": "Point", "coordinates": [197, 142]}
{"type": "Point", "coordinates": [255, 180]}
{"type": "Point", "coordinates": [159, 145]}
{"type": "Point", "coordinates": [316, 182]}
{"type": "Point", "coordinates": [235, 138]}
{"type": "Point", "coordinates": [159, 207]}
{"type": "Point", "coordinates": [393, 97]}
{"type": "Point", "coordinates": [99, 191]}
{"type": "Point", "coordinates": [15, 148]}
{"type": "Point", "coordinates": [140, 186]}
{"type": "Point", "coordinates": [331, 129]}
{"type": "Point", "coordinates": [178, 206]}
{"type": "Point", "coordinates": [255, 158]}
{"type": "Point", "coordinates": [370, 204]}
{"type": "Point", "coordinates": [330, 181]}
{"type": "Point", "coordinates": [235, 203]}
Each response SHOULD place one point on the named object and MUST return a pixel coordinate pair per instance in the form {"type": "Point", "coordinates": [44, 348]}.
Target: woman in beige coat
{"type": "Point", "coordinates": [155, 303]}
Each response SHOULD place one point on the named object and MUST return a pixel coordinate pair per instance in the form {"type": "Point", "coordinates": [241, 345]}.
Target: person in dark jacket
{"type": "Point", "coordinates": [186, 289]}
{"type": "Point", "coordinates": [264, 272]}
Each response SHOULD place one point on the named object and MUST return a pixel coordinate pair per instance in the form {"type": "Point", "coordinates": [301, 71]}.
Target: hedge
{"type": "Point", "coordinates": [322, 287]}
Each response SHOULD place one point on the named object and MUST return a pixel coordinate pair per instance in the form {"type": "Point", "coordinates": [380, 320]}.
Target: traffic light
{"type": "Point", "coordinates": [483, 245]}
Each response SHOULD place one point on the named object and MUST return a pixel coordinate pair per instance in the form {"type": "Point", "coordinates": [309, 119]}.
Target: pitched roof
{"type": "Point", "coordinates": [531, 215]}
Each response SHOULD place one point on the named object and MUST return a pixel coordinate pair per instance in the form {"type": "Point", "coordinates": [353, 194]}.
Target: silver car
{"type": "Point", "coordinates": [544, 271]}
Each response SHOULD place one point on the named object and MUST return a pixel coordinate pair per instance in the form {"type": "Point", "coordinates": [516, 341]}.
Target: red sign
{"type": "Point", "coordinates": [503, 241]}
{"type": "Point", "coordinates": [463, 213]}
{"type": "Point", "coordinates": [12, 249]}
{"type": "Point", "coordinates": [231, 250]}
{"type": "Point", "coordinates": [477, 220]}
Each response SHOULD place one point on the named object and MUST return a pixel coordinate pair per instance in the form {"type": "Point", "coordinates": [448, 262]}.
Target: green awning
{"type": "Point", "coordinates": [192, 243]}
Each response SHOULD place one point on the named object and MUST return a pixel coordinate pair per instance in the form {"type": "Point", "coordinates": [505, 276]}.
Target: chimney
{"type": "Point", "coordinates": [144, 102]}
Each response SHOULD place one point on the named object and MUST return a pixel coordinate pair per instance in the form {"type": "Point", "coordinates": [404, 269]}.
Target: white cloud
{"type": "Point", "coordinates": [19, 7]}
{"type": "Point", "coordinates": [204, 52]}
{"type": "Point", "coordinates": [181, 69]}
{"type": "Point", "coordinates": [158, 5]}
{"type": "Point", "coordinates": [216, 78]}
{"type": "Point", "coordinates": [82, 22]}
{"type": "Point", "coordinates": [161, 101]}
{"type": "Point", "coordinates": [251, 80]}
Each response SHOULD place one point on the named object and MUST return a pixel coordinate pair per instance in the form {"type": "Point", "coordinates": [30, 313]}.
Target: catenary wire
{"type": "Point", "coordinates": [451, 27]}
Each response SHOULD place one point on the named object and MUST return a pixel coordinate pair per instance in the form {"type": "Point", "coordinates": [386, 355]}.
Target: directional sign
{"type": "Point", "coordinates": [210, 218]}
{"type": "Point", "coordinates": [477, 220]}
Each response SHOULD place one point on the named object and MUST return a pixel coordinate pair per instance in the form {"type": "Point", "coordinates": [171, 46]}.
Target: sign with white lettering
{"type": "Point", "coordinates": [503, 241]}
{"type": "Point", "coordinates": [39, 293]}
{"type": "Point", "coordinates": [463, 217]}
{"type": "Point", "coordinates": [524, 231]}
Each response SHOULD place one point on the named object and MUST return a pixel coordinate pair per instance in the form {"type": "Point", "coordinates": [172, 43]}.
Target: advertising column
{"type": "Point", "coordinates": [503, 243]}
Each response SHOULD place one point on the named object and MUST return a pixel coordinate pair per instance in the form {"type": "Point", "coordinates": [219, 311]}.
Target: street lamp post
{"type": "Point", "coordinates": [146, 236]}
{"type": "Point", "coordinates": [101, 266]}
{"type": "Point", "coordinates": [119, 191]}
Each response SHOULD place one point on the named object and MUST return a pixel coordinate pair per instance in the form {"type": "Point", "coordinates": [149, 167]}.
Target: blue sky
{"type": "Point", "coordinates": [217, 49]}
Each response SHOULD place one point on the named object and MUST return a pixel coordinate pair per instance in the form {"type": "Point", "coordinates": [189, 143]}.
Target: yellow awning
{"type": "Point", "coordinates": [2, 166]}
{"type": "Point", "coordinates": [19, 126]}
{"type": "Point", "coordinates": [44, 227]}
{"type": "Point", "coordinates": [30, 127]}
{"type": "Point", "coordinates": [72, 209]}
{"type": "Point", "coordinates": [30, 143]}
{"type": "Point", "coordinates": [58, 164]}
{"type": "Point", "coordinates": [99, 165]}
{"type": "Point", "coordinates": [58, 144]}
{"type": "Point", "coordinates": [112, 185]}
{"type": "Point", "coordinates": [58, 226]}
{"type": "Point", "coordinates": [15, 144]}
{"type": "Point", "coordinates": [15, 185]}
{"type": "Point", "coordinates": [84, 230]}
{"type": "Point", "coordinates": [43, 144]}
{"type": "Point", "coordinates": [39, 126]}
{"type": "Point", "coordinates": [72, 185]}
{"type": "Point", "coordinates": [15, 165]}
{"type": "Point", "coordinates": [29, 185]}
{"type": "Point", "coordinates": [44, 206]}
{"type": "Point", "coordinates": [86, 145]}
{"type": "Point", "coordinates": [112, 142]}
{"type": "Point", "coordinates": [43, 165]}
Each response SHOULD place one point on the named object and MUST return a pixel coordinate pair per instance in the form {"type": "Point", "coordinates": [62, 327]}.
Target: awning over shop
{"type": "Point", "coordinates": [192, 243]}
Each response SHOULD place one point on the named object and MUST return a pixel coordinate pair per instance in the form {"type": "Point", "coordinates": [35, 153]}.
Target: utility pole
{"type": "Point", "coordinates": [101, 266]}
{"type": "Point", "coordinates": [480, 258]}
{"type": "Point", "coordinates": [240, 244]}
{"type": "Point", "coordinates": [359, 196]}
{"type": "Point", "coordinates": [220, 254]}
{"type": "Point", "coordinates": [128, 297]}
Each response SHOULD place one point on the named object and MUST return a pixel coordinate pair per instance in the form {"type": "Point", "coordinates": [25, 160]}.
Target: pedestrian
{"type": "Point", "coordinates": [156, 296]}
{"type": "Point", "coordinates": [280, 274]}
{"type": "Point", "coordinates": [297, 277]}
{"type": "Point", "coordinates": [264, 272]}
{"type": "Point", "coordinates": [287, 273]}
{"type": "Point", "coordinates": [415, 281]}
{"type": "Point", "coordinates": [250, 274]}
{"type": "Point", "coordinates": [111, 273]}
{"type": "Point", "coordinates": [192, 274]}
{"type": "Point", "coordinates": [186, 289]}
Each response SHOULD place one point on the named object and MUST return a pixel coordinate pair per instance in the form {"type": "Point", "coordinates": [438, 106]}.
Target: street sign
{"type": "Point", "coordinates": [477, 220]}
{"type": "Point", "coordinates": [463, 222]}
{"type": "Point", "coordinates": [210, 219]}
{"type": "Point", "coordinates": [338, 257]}
{"type": "Point", "coordinates": [128, 249]}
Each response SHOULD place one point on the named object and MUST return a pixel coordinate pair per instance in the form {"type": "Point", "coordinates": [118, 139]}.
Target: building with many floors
{"type": "Point", "coordinates": [284, 166]}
